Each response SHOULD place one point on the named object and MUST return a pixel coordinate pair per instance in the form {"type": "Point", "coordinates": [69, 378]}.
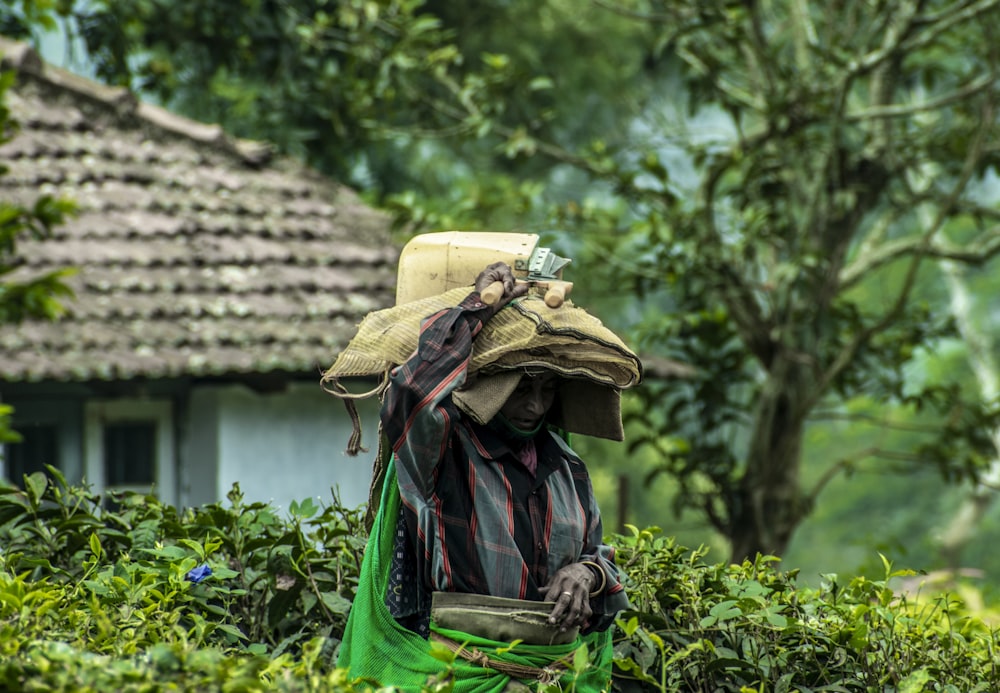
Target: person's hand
{"type": "Point", "coordinates": [501, 272]}
{"type": "Point", "coordinates": [570, 590]}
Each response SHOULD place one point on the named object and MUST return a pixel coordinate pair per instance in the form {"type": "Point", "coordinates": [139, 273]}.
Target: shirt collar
{"type": "Point", "coordinates": [492, 446]}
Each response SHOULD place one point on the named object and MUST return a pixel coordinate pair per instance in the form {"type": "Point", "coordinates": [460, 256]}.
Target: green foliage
{"type": "Point", "coordinates": [98, 599]}
{"type": "Point", "coordinates": [311, 77]}
{"type": "Point", "coordinates": [766, 187]}
{"type": "Point", "coordinates": [116, 582]}
{"type": "Point", "coordinates": [6, 434]}
{"type": "Point", "coordinates": [101, 599]}
{"type": "Point", "coordinates": [19, 19]}
{"type": "Point", "coordinates": [448, 101]}
{"type": "Point", "coordinates": [351, 87]}
{"type": "Point", "coordinates": [785, 211]}
{"type": "Point", "coordinates": [790, 271]}
{"type": "Point", "coordinates": [174, 666]}
{"type": "Point", "coordinates": [749, 627]}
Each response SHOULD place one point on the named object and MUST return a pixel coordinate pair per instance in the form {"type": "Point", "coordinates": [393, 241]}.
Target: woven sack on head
{"type": "Point", "coordinates": [525, 334]}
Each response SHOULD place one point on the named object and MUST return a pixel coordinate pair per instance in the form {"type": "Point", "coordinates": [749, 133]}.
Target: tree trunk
{"type": "Point", "coordinates": [768, 507]}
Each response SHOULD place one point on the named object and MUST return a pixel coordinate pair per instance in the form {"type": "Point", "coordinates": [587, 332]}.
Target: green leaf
{"type": "Point", "coordinates": [194, 546]}
{"type": "Point", "coordinates": [630, 626]}
{"type": "Point", "coordinates": [305, 509]}
{"type": "Point", "coordinates": [725, 610]}
{"type": "Point", "coordinates": [232, 631]}
{"type": "Point", "coordinates": [95, 545]}
{"type": "Point", "coordinates": [35, 485]}
{"type": "Point", "coordinates": [784, 683]}
{"type": "Point", "coordinates": [541, 84]}
{"type": "Point", "coordinates": [496, 61]}
{"type": "Point", "coordinates": [512, 645]}
{"type": "Point", "coordinates": [915, 681]}
{"type": "Point", "coordinates": [886, 565]}
{"type": "Point", "coordinates": [775, 619]}
{"type": "Point", "coordinates": [441, 653]}
{"type": "Point", "coordinates": [11, 598]}
{"type": "Point", "coordinates": [336, 603]}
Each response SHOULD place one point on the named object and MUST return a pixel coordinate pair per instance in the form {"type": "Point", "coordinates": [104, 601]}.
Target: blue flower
{"type": "Point", "coordinates": [198, 574]}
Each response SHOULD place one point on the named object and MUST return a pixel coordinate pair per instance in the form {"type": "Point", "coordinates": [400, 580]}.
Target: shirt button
{"type": "Point", "coordinates": [540, 547]}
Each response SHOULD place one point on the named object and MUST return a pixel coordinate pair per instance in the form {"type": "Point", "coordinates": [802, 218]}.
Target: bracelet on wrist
{"type": "Point", "coordinates": [600, 571]}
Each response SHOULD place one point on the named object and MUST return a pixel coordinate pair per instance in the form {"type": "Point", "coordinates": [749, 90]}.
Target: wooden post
{"type": "Point", "coordinates": [622, 502]}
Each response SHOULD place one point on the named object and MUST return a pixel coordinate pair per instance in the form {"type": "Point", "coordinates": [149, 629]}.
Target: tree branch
{"type": "Point", "coordinates": [944, 20]}
{"type": "Point", "coordinates": [978, 253]}
{"type": "Point", "coordinates": [829, 475]}
{"type": "Point", "coordinates": [881, 453]}
{"type": "Point", "coordinates": [653, 17]}
{"type": "Point", "coordinates": [875, 421]}
{"type": "Point", "coordinates": [972, 209]}
{"type": "Point", "coordinates": [900, 110]}
{"type": "Point", "coordinates": [805, 32]}
{"type": "Point", "coordinates": [461, 118]}
{"type": "Point", "coordinates": [902, 23]}
{"type": "Point", "coordinates": [846, 355]}
{"type": "Point", "coordinates": [844, 464]}
{"type": "Point", "coordinates": [739, 95]}
{"type": "Point", "coordinates": [757, 39]}
{"type": "Point", "coordinates": [945, 14]}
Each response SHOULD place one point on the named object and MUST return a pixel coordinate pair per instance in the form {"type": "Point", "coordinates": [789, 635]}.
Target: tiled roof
{"type": "Point", "coordinates": [197, 254]}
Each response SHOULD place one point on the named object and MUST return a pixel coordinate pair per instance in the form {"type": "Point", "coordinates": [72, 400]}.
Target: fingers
{"type": "Point", "coordinates": [497, 272]}
{"type": "Point", "coordinates": [519, 289]}
{"type": "Point", "coordinates": [572, 609]}
{"type": "Point", "coordinates": [502, 273]}
{"type": "Point", "coordinates": [570, 590]}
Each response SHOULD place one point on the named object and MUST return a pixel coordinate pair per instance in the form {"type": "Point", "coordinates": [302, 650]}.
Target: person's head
{"type": "Point", "coordinates": [527, 405]}
{"type": "Point", "coordinates": [570, 402]}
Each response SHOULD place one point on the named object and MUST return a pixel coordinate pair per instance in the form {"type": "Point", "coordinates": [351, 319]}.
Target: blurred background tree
{"type": "Point", "coordinates": [763, 190]}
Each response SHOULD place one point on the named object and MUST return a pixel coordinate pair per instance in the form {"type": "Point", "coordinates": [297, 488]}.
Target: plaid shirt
{"type": "Point", "coordinates": [474, 519]}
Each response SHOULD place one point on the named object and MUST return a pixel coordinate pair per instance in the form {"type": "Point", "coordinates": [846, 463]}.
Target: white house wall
{"type": "Point", "coordinates": [290, 446]}
{"type": "Point", "coordinates": [199, 460]}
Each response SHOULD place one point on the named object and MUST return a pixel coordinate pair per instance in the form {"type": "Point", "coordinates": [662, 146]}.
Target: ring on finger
{"type": "Point", "coordinates": [567, 594]}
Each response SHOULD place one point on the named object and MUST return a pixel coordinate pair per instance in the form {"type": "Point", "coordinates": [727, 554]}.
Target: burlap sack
{"type": "Point", "coordinates": [527, 333]}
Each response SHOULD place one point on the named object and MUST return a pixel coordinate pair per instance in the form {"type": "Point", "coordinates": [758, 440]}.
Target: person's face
{"type": "Point", "coordinates": [531, 400]}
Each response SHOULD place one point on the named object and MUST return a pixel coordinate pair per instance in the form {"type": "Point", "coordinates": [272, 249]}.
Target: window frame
{"type": "Point", "coordinates": [157, 411]}
{"type": "Point", "coordinates": [6, 450]}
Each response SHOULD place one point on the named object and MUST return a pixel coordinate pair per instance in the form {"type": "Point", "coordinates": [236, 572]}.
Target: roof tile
{"type": "Point", "coordinates": [197, 254]}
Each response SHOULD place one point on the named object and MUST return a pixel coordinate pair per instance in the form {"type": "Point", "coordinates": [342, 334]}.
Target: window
{"type": "Point", "coordinates": [130, 447]}
{"type": "Point", "coordinates": [39, 446]}
{"type": "Point", "coordinates": [130, 453]}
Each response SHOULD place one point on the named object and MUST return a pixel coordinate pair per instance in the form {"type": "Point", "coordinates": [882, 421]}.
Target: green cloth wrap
{"type": "Point", "coordinates": [378, 649]}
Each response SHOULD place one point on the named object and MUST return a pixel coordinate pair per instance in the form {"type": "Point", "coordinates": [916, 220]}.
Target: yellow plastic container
{"type": "Point", "coordinates": [433, 263]}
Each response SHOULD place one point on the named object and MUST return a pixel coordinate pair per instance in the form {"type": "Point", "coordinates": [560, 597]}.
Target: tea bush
{"type": "Point", "coordinates": [119, 581]}
{"type": "Point", "coordinates": [743, 628]}
{"type": "Point", "coordinates": [234, 597]}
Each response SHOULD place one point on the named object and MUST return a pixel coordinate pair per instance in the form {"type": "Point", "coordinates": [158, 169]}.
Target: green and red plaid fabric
{"type": "Point", "coordinates": [474, 518]}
